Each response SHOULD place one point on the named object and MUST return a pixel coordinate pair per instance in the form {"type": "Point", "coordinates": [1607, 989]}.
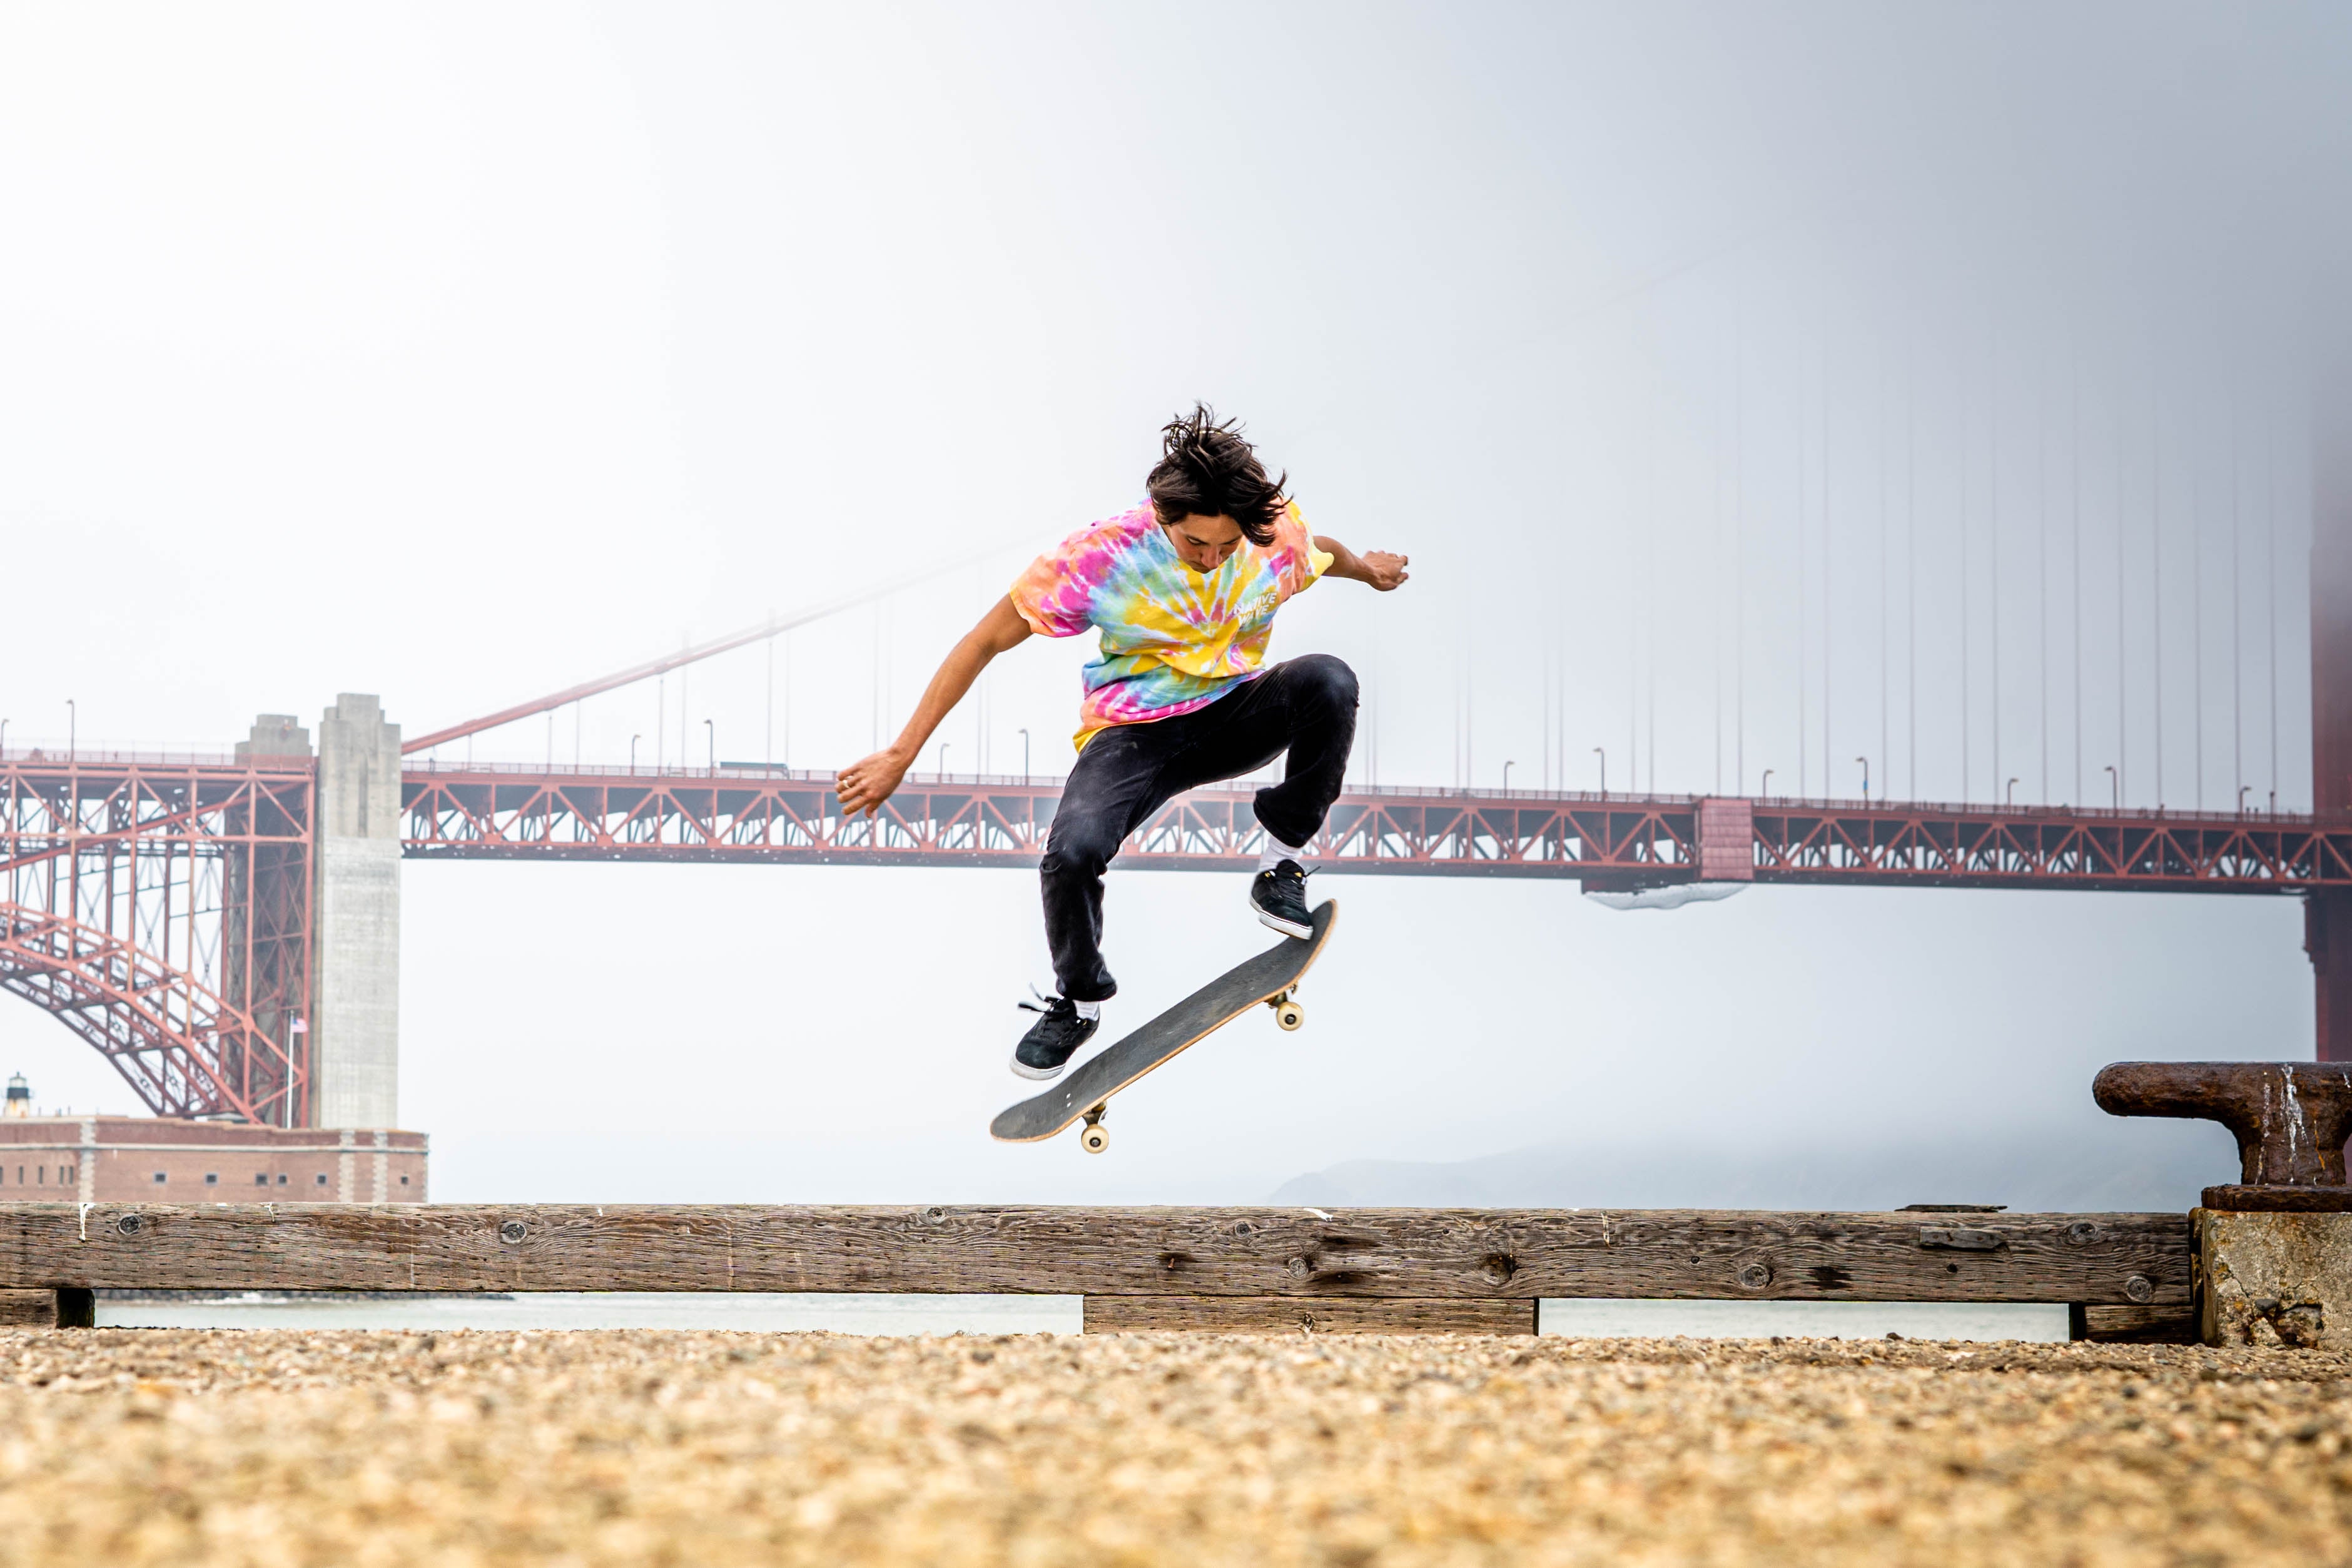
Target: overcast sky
{"type": "Point", "coordinates": [1811, 388]}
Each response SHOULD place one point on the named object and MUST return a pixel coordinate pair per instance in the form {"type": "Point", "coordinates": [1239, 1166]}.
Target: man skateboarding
{"type": "Point", "coordinates": [1183, 591]}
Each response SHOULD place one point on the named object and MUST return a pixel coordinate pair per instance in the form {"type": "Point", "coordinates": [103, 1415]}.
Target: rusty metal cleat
{"type": "Point", "coordinates": [2273, 1251]}
{"type": "Point", "coordinates": [2290, 1119]}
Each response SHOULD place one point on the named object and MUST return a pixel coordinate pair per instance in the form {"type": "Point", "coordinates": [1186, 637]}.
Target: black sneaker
{"type": "Point", "coordinates": [1279, 896]}
{"type": "Point", "coordinates": [1054, 1038]}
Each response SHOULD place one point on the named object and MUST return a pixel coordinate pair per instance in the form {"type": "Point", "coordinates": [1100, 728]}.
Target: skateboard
{"type": "Point", "coordinates": [1270, 979]}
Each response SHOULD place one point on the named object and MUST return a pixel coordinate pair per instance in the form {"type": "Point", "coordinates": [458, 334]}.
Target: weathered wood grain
{"type": "Point", "coordinates": [1310, 1314]}
{"type": "Point", "coordinates": [45, 1309]}
{"type": "Point", "coordinates": [2093, 1258]}
{"type": "Point", "coordinates": [2135, 1325]}
{"type": "Point", "coordinates": [29, 1309]}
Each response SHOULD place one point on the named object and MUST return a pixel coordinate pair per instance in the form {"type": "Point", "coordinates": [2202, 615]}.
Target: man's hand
{"type": "Point", "coordinates": [1379, 568]}
{"type": "Point", "coordinates": [1383, 570]}
{"type": "Point", "coordinates": [863, 786]}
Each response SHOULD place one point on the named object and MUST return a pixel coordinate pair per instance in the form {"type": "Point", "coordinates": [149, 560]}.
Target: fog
{"type": "Point", "coordinates": [1912, 390]}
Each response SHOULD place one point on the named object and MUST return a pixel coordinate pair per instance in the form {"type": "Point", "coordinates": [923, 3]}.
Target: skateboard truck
{"type": "Point", "coordinates": [1093, 1137]}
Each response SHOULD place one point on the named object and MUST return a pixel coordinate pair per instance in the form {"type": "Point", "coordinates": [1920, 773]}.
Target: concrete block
{"type": "Point", "coordinates": [275, 737]}
{"type": "Point", "coordinates": [2274, 1279]}
{"type": "Point", "coordinates": [355, 1020]}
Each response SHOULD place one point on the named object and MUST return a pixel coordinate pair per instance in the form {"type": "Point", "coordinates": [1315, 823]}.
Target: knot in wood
{"type": "Point", "coordinates": [935, 1216]}
{"type": "Point", "coordinates": [2082, 1233]}
{"type": "Point", "coordinates": [128, 1225]}
{"type": "Point", "coordinates": [1755, 1276]}
{"type": "Point", "coordinates": [1300, 1267]}
{"type": "Point", "coordinates": [1499, 1268]}
{"type": "Point", "coordinates": [2140, 1288]}
{"type": "Point", "coordinates": [512, 1231]}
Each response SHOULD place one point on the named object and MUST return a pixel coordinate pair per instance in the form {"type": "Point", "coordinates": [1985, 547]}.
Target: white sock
{"type": "Point", "coordinates": [1088, 1010]}
{"type": "Point", "coordinates": [1276, 851]}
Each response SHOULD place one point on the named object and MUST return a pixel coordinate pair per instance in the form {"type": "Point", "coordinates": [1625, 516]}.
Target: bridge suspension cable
{"type": "Point", "coordinates": [773, 626]}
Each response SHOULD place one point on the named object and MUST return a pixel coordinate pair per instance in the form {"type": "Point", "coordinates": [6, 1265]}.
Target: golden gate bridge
{"type": "Point", "coordinates": [217, 925]}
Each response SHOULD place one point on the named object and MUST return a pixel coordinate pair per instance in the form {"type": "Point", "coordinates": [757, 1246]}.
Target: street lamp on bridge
{"type": "Point", "coordinates": [1597, 751]}
{"type": "Point", "coordinates": [2115, 788]}
{"type": "Point", "coordinates": [1765, 789]}
{"type": "Point", "coordinates": [1024, 757]}
{"type": "Point", "coordinates": [1866, 776]}
{"type": "Point", "coordinates": [1506, 777]}
{"type": "Point", "coordinates": [633, 752]}
{"type": "Point", "coordinates": [711, 730]}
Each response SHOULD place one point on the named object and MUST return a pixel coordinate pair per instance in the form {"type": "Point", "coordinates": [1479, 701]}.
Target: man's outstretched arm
{"type": "Point", "coordinates": [863, 786]}
{"type": "Point", "coordinates": [1382, 569]}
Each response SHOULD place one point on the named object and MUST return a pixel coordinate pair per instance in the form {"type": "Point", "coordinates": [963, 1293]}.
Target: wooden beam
{"type": "Point", "coordinates": [1309, 1314]}
{"type": "Point", "coordinates": [67, 1309]}
{"type": "Point", "coordinates": [2134, 1325]}
{"type": "Point", "coordinates": [1424, 1253]}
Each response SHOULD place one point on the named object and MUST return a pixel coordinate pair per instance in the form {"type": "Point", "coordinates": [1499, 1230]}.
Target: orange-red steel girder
{"type": "Point", "coordinates": [161, 910]}
{"type": "Point", "coordinates": [750, 814]}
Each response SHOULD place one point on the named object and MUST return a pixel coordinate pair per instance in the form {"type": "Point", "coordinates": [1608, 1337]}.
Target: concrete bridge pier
{"type": "Point", "coordinates": [353, 1027]}
{"type": "Point", "coordinates": [355, 1011]}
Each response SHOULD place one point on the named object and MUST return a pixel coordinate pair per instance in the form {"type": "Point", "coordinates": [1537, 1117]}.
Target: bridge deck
{"type": "Point", "coordinates": [1607, 841]}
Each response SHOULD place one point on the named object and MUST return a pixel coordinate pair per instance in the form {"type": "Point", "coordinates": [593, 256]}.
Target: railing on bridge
{"type": "Point", "coordinates": [750, 813]}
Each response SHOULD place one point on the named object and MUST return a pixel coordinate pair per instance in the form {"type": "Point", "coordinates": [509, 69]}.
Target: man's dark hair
{"type": "Point", "coordinates": [1207, 470]}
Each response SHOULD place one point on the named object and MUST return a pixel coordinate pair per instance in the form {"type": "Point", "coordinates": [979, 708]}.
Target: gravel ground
{"type": "Point", "coordinates": [133, 1447]}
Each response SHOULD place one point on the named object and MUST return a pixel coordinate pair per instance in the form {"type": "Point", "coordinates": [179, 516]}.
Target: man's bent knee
{"type": "Point", "coordinates": [1078, 852]}
{"type": "Point", "coordinates": [1324, 679]}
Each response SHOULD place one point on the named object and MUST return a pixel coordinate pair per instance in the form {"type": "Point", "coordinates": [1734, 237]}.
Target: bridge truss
{"type": "Point", "coordinates": [160, 907]}
{"type": "Point", "coordinates": [532, 813]}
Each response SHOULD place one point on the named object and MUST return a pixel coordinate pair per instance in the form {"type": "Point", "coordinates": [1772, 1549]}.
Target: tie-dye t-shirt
{"type": "Point", "coordinates": [1173, 639]}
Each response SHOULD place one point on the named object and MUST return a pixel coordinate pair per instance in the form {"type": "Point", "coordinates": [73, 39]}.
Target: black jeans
{"type": "Point", "coordinates": [1306, 706]}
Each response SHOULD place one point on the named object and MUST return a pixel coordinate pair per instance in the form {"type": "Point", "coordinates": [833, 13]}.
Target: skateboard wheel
{"type": "Point", "coordinates": [1095, 1139]}
{"type": "Point", "coordinates": [1289, 1014]}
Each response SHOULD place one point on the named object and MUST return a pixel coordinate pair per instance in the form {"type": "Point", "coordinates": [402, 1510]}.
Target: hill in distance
{"type": "Point", "coordinates": [2111, 1165]}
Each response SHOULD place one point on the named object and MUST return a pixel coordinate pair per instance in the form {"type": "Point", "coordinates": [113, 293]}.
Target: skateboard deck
{"type": "Point", "coordinates": [1268, 978]}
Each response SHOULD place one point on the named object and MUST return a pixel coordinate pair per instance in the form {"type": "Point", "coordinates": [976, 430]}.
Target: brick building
{"type": "Point", "coordinates": [148, 1159]}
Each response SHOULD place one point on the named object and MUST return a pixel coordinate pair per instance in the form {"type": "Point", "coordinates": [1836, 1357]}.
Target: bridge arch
{"type": "Point", "coordinates": [159, 909]}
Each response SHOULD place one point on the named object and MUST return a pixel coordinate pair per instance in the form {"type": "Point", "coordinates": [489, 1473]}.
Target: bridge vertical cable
{"type": "Point", "coordinates": [2041, 561]}
{"type": "Point", "coordinates": [2156, 566]}
{"type": "Point", "coordinates": [2074, 539]}
{"type": "Point", "coordinates": [1992, 541]}
{"type": "Point", "coordinates": [2197, 609]}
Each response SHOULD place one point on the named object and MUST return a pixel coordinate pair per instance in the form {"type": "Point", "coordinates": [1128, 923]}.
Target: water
{"type": "Point", "coordinates": [749, 1311]}
{"type": "Point", "coordinates": [910, 1315]}
{"type": "Point", "coordinates": [1805, 1320]}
